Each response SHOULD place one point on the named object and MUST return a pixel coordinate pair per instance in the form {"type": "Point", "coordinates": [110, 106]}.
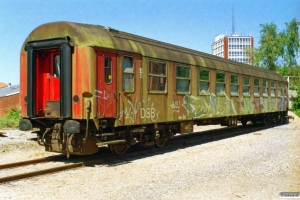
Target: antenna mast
{"type": "Point", "coordinates": [233, 28]}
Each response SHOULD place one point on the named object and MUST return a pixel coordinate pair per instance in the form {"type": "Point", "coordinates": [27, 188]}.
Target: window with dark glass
{"type": "Point", "coordinates": [246, 86]}
{"type": "Point", "coordinates": [182, 79]}
{"type": "Point", "coordinates": [107, 70]}
{"type": "Point", "coordinates": [234, 85]}
{"type": "Point", "coordinates": [127, 67]}
{"type": "Point", "coordinates": [256, 87]}
{"type": "Point", "coordinates": [220, 83]}
{"type": "Point", "coordinates": [157, 76]}
{"type": "Point", "coordinates": [56, 67]}
{"type": "Point", "coordinates": [265, 88]}
{"type": "Point", "coordinates": [203, 83]}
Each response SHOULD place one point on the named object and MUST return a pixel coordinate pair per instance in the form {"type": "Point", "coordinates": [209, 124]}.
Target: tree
{"type": "Point", "coordinates": [270, 49]}
{"type": "Point", "coordinates": [292, 43]}
{"type": "Point", "coordinates": [278, 51]}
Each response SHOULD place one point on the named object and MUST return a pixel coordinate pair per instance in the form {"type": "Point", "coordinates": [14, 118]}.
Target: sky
{"type": "Point", "coordinates": [189, 23]}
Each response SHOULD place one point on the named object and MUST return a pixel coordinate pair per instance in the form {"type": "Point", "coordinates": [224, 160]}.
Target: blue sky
{"type": "Point", "coordinates": [188, 23]}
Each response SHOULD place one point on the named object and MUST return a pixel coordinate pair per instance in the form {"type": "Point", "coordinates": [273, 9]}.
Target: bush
{"type": "Point", "coordinates": [11, 119]}
{"type": "Point", "coordinates": [296, 103]}
{"type": "Point", "coordinates": [297, 112]}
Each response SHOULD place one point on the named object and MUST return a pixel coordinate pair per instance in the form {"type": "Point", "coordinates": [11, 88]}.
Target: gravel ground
{"type": "Point", "coordinates": [259, 165]}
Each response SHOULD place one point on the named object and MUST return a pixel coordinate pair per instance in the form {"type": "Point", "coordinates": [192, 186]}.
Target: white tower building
{"type": "Point", "coordinates": [233, 47]}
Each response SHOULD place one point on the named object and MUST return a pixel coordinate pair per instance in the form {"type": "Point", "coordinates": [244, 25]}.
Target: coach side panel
{"type": "Point", "coordinates": [163, 91]}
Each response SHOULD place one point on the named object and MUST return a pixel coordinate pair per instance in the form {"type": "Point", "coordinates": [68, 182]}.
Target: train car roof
{"type": "Point", "coordinates": [87, 35]}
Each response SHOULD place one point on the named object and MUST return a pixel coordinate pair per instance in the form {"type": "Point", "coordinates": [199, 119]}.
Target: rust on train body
{"type": "Point", "coordinates": [123, 89]}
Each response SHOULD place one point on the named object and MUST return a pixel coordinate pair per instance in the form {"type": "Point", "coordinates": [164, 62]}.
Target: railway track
{"type": "Point", "coordinates": [106, 157]}
{"type": "Point", "coordinates": [36, 163]}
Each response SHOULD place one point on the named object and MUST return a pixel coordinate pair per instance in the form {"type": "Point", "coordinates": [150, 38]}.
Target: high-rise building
{"type": "Point", "coordinates": [233, 47]}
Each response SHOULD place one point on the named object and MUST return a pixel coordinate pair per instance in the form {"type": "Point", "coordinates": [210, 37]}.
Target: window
{"type": "Point", "coordinates": [284, 93]}
{"type": "Point", "coordinates": [203, 82]}
{"type": "Point", "coordinates": [246, 86]}
{"type": "Point", "coordinates": [256, 87]}
{"type": "Point", "coordinates": [265, 88]}
{"type": "Point", "coordinates": [127, 74]}
{"type": "Point", "coordinates": [107, 70]}
{"type": "Point", "coordinates": [220, 83]}
{"type": "Point", "coordinates": [272, 89]}
{"type": "Point", "coordinates": [182, 79]}
{"type": "Point", "coordinates": [56, 67]}
{"type": "Point", "coordinates": [234, 85]}
{"type": "Point", "coordinates": [157, 76]}
{"type": "Point", "coordinates": [279, 89]}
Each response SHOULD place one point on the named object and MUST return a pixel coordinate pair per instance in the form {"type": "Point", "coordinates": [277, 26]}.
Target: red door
{"type": "Point", "coordinates": [106, 84]}
{"type": "Point", "coordinates": [47, 78]}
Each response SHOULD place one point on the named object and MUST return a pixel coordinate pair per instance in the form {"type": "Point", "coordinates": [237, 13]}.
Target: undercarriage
{"type": "Point", "coordinates": [82, 138]}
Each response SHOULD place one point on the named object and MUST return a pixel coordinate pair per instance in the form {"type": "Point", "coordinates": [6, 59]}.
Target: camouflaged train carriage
{"type": "Point", "coordinates": [85, 86]}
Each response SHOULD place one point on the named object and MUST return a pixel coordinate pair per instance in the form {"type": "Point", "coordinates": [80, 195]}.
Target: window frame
{"type": "Point", "coordinates": [256, 86]}
{"type": "Point", "coordinates": [246, 85]}
{"type": "Point", "coordinates": [128, 73]}
{"type": "Point", "coordinates": [234, 84]}
{"type": "Point", "coordinates": [279, 88]}
{"type": "Point", "coordinates": [184, 79]}
{"type": "Point", "coordinates": [56, 66]}
{"type": "Point", "coordinates": [165, 76]}
{"type": "Point", "coordinates": [203, 81]}
{"type": "Point", "coordinates": [265, 88]}
{"type": "Point", "coordinates": [223, 93]}
{"type": "Point", "coordinates": [110, 71]}
{"type": "Point", "coordinates": [272, 90]}
{"type": "Point", "coordinates": [285, 88]}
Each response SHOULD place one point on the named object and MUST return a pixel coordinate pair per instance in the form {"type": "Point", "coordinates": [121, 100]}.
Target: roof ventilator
{"type": "Point", "coordinates": [111, 29]}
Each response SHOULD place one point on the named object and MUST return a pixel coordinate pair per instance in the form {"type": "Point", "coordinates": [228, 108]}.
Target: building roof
{"type": "Point", "coordinates": [10, 90]}
{"type": "Point", "coordinates": [2, 85]}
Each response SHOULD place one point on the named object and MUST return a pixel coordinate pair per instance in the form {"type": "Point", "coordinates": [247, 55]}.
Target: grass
{"type": "Point", "coordinates": [297, 112]}
{"type": "Point", "coordinates": [11, 119]}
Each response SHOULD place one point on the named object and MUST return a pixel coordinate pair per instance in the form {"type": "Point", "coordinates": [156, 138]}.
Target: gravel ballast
{"type": "Point", "coordinates": [257, 165]}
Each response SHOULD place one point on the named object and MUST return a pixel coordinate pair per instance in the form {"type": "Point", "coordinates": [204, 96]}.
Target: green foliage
{"type": "Point", "coordinates": [278, 51]}
{"type": "Point", "coordinates": [270, 49]}
{"type": "Point", "coordinates": [294, 75]}
{"type": "Point", "coordinates": [296, 103]}
{"type": "Point", "coordinates": [292, 42]}
{"type": "Point", "coordinates": [284, 71]}
{"type": "Point", "coordinates": [11, 119]}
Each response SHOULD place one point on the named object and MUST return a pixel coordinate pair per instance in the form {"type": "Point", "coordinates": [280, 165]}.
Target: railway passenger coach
{"type": "Point", "coordinates": [84, 86]}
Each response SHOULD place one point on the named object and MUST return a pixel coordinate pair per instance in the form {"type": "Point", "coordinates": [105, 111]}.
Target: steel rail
{"type": "Point", "coordinates": [40, 172]}
{"type": "Point", "coordinates": [222, 133]}
{"type": "Point", "coordinates": [34, 161]}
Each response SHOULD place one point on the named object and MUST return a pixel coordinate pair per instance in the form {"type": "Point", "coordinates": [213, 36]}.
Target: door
{"type": "Point", "coordinates": [106, 84]}
{"type": "Point", "coordinates": [47, 79]}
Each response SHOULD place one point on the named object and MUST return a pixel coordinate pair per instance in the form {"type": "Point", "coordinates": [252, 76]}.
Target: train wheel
{"type": "Point", "coordinates": [266, 121]}
{"type": "Point", "coordinates": [160, 142]}
{"type": "Point", "coordinates": [118, 149]}
{"type": "Point", "coordinates": [244, 122]}
{"type": "Point", "coordinates": [253, 121]}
